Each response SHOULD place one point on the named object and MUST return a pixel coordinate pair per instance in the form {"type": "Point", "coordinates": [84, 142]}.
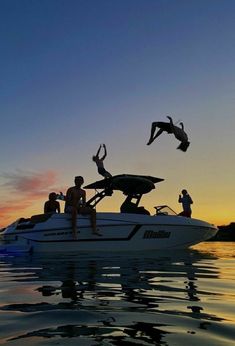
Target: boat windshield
{"type": "Point", "coordinates": [164, 210]}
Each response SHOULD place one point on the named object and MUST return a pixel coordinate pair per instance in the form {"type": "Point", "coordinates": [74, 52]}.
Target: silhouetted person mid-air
{"type": "Point", "coordinates": [170, 128]}
{"type": "Point", "coordinates": [100, 162]}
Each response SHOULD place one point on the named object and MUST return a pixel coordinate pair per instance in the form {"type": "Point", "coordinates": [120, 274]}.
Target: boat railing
{"type": "Point", "coordinates": [162, 210]}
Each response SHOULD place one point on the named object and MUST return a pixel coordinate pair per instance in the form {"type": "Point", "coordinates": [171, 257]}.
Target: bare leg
{"type": "Point", "coordinates": [74, 223]}
{"type": "Point", "coordinates": [92, 213]}
{"type": "Point", "coordinates": [171, 121]}
{"type": "Point", "coordinates": [153, 128]}
{"type": "Point", "coordinates": [102, 171]}
{"type": "Point", "coordinates": [107, 174]}
{"type": "Point", "coordinates": [93, 222]}
{"type": "Point", "coordinates": [158, 134]}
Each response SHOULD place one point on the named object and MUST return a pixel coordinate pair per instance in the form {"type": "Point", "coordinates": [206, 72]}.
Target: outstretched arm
{"type": "Point", "coordinates": [159, 132]}
{"type": "Point", "coordinates": [83, 197]}
{"type": "Point", "coordinates": [98, 151]}
{"type": "Point", "coordinates": [105, 152]}
{"type": "Point", "coordinates": [171, 121]}
{"type": "Point", "coordinates": [153, 128]}
{"type": "Point", "coordinates": [173, 129]}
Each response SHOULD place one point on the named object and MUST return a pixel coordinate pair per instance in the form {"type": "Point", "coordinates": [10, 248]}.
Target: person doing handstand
{"type": "Point", "coordinates": [100, 162]}
{"type": "Point", "coordinates": [170, 128]}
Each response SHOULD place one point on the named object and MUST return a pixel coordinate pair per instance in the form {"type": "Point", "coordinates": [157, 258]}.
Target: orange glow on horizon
{"type": "Point", "coordinates": [26, 209]}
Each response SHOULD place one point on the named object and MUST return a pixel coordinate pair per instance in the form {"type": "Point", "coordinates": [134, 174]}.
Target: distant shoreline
{"type": "Point", "coordinates": [225, 233]}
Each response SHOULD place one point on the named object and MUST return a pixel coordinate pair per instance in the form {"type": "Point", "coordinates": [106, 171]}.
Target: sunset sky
{"type": "Point", "coordinates": [77, 73]}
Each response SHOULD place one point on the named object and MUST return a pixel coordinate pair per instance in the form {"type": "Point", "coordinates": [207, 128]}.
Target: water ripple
{"type": "Point", "coordinates": [183, 298]}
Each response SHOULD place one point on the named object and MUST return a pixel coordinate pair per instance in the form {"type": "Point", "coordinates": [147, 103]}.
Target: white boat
{"type": "Point", "coordinates": [131, 229]}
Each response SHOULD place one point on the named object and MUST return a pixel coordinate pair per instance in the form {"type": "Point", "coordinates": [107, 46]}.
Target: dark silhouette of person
{"type": "Point", "coordinates": [52, 205]}
{"type": "Point", "coordinates": [75, 203]}
{"type": "Point", "coordinates": [100, 162]}
{"type": "Point", "coordinates": [186, 201]}
{"type": "Point", "coordinates": [170, 128]}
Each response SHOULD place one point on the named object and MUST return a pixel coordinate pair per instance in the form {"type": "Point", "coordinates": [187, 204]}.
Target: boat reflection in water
{"type": "Point", "coordinates": [151, 299]}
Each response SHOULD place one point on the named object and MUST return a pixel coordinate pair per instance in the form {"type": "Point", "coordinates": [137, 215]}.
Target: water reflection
{"type": "Point", "coordinates": [128, 300]}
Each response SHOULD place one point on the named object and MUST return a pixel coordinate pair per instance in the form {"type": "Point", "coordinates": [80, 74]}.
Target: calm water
{"type": "Point", "coordinates": [179, 298]}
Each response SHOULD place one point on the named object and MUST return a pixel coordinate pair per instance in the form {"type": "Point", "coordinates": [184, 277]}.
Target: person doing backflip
{"type": "Point", "coordinates": [100, 162]}
{"type": "Point", "coordinates": [170, 128]}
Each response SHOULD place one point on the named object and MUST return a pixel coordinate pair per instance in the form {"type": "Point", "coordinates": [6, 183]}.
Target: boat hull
{"type": "Point", "coordinates": [119, 232]}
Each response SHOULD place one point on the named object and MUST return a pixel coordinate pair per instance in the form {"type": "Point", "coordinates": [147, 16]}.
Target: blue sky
{"type": "Point", "coordinates": [75, 74]}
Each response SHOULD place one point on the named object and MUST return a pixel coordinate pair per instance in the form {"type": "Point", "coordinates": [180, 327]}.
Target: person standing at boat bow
{"type": "Point", "coordinates": [186, 201]}
{"type": "Point", "coordinates": [75, 203]}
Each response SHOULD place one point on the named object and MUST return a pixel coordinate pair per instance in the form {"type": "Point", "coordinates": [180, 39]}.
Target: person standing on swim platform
{"type": "Point", "coordinates": [100, 162]}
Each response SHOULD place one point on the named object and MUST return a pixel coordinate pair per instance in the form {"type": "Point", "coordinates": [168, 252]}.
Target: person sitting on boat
{"type": "Point", "coordinates": [52, 205]}
{"type": "Point", "coordinates": [100, 162]}
{"type": "Point", "coordinates": [75, 203]}
{"type": "Point", "coordinates": [170, 128]}
{"type": "Point", "coordinates": [186, 201]}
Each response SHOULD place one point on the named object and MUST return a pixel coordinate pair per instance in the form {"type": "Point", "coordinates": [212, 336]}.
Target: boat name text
{"type": "Point", "coordinates": [156, 234]}
{"type": "Point", "coordinates": [56, 233]}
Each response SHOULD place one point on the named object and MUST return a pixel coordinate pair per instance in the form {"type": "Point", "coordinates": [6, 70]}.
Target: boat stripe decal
{"type": "Point", "coordinates": [66, 229]}
{"type": "Point", "coordinates": [131, 235]}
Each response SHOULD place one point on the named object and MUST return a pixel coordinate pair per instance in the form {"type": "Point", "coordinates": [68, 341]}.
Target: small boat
{"type": "Point", "coordinates": [131, 229]}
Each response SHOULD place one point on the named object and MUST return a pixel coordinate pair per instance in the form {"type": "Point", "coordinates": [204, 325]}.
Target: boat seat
{"type": "Point", "coordinates": [40, 218]}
